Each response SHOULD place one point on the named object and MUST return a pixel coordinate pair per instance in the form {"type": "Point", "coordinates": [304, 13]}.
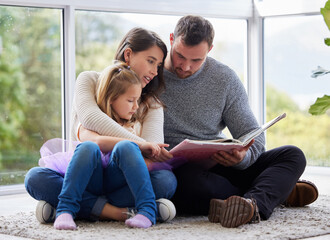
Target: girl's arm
{"type": "Point", "coordinates": [86, 111]}
{"type": "Point", "coordinates": [107, 143]}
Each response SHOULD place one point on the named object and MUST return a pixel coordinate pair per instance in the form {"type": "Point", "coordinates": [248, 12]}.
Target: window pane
{"type": "Point", "coordinates": [98, 35]}
{"type": "Point", "coordinates": [30, 86]}
{"type": "Point", "coordinates": [294, 46]}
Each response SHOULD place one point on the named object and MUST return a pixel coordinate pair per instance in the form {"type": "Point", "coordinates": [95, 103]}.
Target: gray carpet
{"type": "Point", "coordinates": [285, 223]}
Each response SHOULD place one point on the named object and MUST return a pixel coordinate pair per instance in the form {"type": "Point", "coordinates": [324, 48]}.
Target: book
{"type": "Point", "coordinates": [190, 150]}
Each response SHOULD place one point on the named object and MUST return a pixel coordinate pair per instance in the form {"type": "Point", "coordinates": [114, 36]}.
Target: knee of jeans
{"type": "Point", "coordinates": [128, 152]}
{"type": "Point", "coordinates": [125, 146]}
{"type": "Point", "coordinates": [298, 156]}
{"type": "Point", "coordinates": [31, 178]}
{"type": "Point", "coordinates": [88, 146]}
{"type": "Point", "coordinates": [90, 150]}
{"type": "Point", "coordinates": [164, 184]}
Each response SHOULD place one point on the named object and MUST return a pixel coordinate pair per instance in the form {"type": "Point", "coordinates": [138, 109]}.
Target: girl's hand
{"type": "Point", "coordinates": [152, 150]}
{"type": "Point", "coordinates": [163, 156]}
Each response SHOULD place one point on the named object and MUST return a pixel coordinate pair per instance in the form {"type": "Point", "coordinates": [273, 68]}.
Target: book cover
{"type": "Point", "coordinates": [196, 149]}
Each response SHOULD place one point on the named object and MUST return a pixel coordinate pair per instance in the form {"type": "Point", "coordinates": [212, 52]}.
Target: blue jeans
{"type": "Point", "coordinates": [96, 186]}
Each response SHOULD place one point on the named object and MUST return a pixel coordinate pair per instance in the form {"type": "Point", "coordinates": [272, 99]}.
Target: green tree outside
{"type": "Point", "coordinates": [299, 128]}
{"type": "Point", "coordinates": [30, 79]}
{"type": "Point", "coordinates": [30, 87]}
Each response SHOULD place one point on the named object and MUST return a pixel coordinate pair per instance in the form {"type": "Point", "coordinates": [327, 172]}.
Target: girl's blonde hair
{"type": "Point", "coordinates": [113, 82]}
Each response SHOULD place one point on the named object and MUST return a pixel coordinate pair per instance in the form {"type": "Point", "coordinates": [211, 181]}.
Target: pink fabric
{"type": "Point", "coordinates": [53, 156]}
{"type": "Point", "coordinates": [57, 153]}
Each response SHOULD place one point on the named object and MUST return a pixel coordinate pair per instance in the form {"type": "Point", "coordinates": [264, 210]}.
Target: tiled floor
{"type": "Point", "coordinates": [11, 204]}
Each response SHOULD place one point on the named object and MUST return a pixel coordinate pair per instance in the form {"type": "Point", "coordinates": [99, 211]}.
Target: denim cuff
{"type": "Point", "coordinates": [97, 208]}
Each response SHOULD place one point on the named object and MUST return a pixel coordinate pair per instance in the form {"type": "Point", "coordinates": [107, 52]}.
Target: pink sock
{"type": "Point", "coordinates": [138, 221]}
{"type": "Point", "coordinates": [65, 222]}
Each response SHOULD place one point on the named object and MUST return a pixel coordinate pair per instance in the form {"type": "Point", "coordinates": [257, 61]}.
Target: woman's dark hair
{"type": "Point", "coordinates": [140, 39]}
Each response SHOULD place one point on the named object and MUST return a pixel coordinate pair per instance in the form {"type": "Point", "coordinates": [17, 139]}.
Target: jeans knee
{"type": "Point", "coordinates": [31, 178]}
{"type": "Point", "coordinates": [164, 183]}
{"type": "Point", "coordinates": [89, 147]}
{"type": "Point", "coordinates": [87, 152]}
{"type": "Point", "coordinates": [128, 152]}
{"type": "Point", "coordinates": [170, 182]}
{"type": "Point", "coordinates": [126, 146]}
{"type": "Point", "coordinates": [297, 155]}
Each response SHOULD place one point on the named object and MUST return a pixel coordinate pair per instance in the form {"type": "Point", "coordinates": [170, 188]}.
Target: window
{"type": "Point", "coordinates": [31, 90]}
{"type": "Point", "coordinates": [30, 86]}
{"type": "Point", "coordinates": [30, 70]}
{"type": "Point", "coordinates": [294, 46]}
{"type": "Point", "coordinates": [98, 35]}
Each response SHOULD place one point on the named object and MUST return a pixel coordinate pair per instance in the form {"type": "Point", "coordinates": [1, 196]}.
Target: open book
{"type": "Point", "coordinates": [201, 150]}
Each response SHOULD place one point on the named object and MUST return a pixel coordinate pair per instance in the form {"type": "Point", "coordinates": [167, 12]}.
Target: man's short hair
{"type": "Point", "coordinates": [194, 30]}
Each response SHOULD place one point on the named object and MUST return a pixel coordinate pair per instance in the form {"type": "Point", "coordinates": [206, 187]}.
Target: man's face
{"type": "Point", "coordinates": [186, 60]}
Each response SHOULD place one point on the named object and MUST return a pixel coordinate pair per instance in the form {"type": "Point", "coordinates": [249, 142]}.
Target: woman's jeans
{"type": "Point", "coordinates": [125, 182]}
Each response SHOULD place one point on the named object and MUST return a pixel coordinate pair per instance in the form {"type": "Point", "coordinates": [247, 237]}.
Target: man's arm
{"type": "Point", "coordinates": [240, 120]}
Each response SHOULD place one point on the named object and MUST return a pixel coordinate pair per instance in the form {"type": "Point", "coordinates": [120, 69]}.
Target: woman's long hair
{"type": "Point", "coordinates": [139, 39]}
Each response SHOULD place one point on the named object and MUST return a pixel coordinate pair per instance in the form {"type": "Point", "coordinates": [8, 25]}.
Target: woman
{"type": "Point", "coordinates": [138, 49]}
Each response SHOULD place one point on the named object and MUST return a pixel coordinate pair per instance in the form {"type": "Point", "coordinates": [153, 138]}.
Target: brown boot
{"type": "Point", "coordinates": [303, 193]}
{"type": "Point", "coordinates": [233, 212]}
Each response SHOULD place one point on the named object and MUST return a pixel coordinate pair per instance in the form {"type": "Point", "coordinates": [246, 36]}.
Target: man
{"type": "Point", "coordinates": [203, 96]}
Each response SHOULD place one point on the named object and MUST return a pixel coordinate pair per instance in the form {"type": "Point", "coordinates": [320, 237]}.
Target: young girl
{"type": "Point", "coordinates": [118, 95]}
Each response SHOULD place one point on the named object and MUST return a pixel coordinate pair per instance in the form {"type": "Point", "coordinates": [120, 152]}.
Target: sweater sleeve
{"type": "Point", "coordinates": [152, 128]}
{"type": "Point", "coordinates": [87, 112]}
{"type": "Point", "coordinates": [240, 120]}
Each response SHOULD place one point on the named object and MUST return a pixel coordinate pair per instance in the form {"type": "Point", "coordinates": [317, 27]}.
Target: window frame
{"type": "Point", "coordinates": [253, 11]}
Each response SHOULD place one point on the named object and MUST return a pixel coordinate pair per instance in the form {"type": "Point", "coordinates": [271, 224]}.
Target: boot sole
{"type": "Point", "coordinates": [230, 213]}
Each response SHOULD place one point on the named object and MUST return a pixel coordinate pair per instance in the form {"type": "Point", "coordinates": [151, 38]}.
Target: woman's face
{"type": "Point", "coordinates": [145, 63]}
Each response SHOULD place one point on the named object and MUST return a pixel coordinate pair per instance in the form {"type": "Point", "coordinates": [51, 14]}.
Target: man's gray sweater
{"type": "Point", "coordinates": [202, 105]}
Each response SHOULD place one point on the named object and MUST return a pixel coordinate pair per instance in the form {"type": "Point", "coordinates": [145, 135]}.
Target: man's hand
{"type": "Point", "coordinates": [229, 159]}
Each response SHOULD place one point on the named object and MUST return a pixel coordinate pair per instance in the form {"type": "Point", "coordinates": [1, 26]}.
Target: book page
{"type": "Point", "coordinates": [215, 141]}
{"type": "Point", "coordinates": [258, 131]}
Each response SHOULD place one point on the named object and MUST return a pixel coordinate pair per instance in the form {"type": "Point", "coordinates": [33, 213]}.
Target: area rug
{"type": "Point", "coordinates": [285, 223]}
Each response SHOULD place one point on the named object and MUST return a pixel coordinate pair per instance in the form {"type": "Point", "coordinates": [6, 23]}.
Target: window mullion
{"type": "Point", "coordinates": [68, 67]}
{"type": "Point", "coordinates": [255, 66]}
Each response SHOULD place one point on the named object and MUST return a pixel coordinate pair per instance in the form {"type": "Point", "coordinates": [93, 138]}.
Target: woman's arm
{"type": "Point", "coordinates": [153, 124]}
{"type": "Point", "coordinates": [86, 111]}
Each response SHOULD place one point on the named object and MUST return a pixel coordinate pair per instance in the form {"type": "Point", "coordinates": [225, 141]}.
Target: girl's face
{"type": "Point", "coordinates": [127, 104]}
{"type": "Point", "coordinates": [145, 63]}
